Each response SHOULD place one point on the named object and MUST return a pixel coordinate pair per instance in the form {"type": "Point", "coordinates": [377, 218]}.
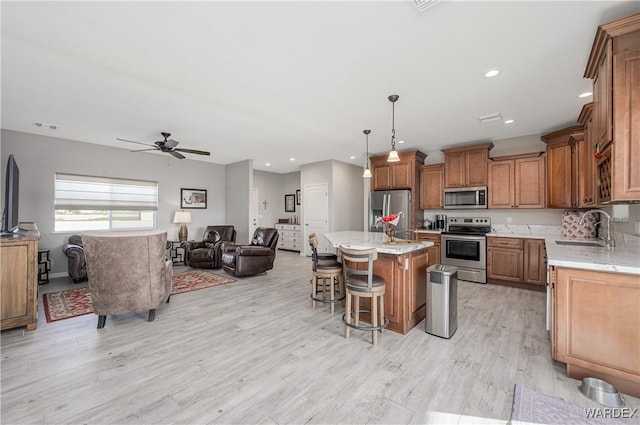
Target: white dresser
{"type": "Point", "coordinates": [290, 236]}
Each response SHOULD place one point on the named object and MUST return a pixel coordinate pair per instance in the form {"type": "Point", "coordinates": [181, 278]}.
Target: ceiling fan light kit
{"type": "Point", "coordinates": [167, 146]}
{"type": "Point", "coordinates": [393, 154]}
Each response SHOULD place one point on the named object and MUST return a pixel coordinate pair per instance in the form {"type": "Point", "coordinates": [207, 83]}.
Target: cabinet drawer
{"type": "Point", "coordinates": [429, 237]}
{"type": "Point", "coordinates": [514, 243]}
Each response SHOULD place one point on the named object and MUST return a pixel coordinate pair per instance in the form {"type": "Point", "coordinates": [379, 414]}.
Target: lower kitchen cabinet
{"type": "Point", "coordinates": [516, 260]}
{"type": "Point", "coordinates": [290, 237]}
{"type": "Point", "coordinates": [595, 325]}
{"type": "Point", "coordinates": [434, 251]}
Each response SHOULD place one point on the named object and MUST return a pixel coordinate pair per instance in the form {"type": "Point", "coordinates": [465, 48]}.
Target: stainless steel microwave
{"type": "Point", "coordinates": [461, 198]}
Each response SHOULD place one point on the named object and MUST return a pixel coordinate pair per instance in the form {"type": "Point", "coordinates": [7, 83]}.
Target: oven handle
{"type": "Point", "coordinates": [464, 237]}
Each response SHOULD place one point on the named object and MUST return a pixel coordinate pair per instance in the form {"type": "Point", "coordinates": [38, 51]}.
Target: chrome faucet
{"type": "Point", "coordinates": [610, 240]}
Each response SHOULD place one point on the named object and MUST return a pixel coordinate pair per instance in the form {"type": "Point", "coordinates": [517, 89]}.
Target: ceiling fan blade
{"type": "Point", "coordinates": [131, 141]}
{"type": "Point", "coordinates": [197, 152]}
{"type": "Point", "coordinates": [144, 150]}
{"type": "Point", "coordinates": [177, 155]}
{"type": "Point", "coordinates": [170, 144]}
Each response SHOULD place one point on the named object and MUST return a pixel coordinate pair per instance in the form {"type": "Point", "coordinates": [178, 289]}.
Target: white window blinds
{"type": "Point", "coordinates": [76, 192]}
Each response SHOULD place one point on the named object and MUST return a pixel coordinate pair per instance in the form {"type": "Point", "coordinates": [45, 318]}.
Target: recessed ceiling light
{"type": "Point", "coordinates": [585, 94]}
{"type": "Point", "coordinates": [268, 164]}
{"type": "Point", "coordinates": [509, 121]}
{"type": "Point", "coordinates": [400, 142]}
{"type": "Point", "coordinates": [492, 73]}
{"type": "Point", "coordinates": [352, 157]}
{"type": "Point", "coordinates": [292, 159]}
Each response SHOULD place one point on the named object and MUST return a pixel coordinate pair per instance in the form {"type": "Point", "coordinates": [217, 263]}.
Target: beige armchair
{"type": "Point", "coordinates": [127, 271]}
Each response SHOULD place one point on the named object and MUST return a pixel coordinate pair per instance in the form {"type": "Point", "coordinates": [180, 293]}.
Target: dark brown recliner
{"type": "Point", "coordinates": [207, 254]}
{"type": "Point", "coordinates": [247, 260]}
{"type": "Point", "coordinates": [76, 261]}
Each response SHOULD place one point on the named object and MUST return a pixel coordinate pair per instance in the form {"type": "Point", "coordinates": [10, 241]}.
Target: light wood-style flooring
{"type": "Point", "coordinates": [254, 352]}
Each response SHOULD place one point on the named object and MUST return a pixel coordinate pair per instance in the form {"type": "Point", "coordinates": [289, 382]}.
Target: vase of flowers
{"type": "Point", "coordinates": [389, 222]}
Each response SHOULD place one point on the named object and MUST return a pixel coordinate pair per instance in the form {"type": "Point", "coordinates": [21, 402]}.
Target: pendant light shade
{"type": "Point", "coordinates": [393, 154]}
{"type": "Point", "coordinates": [367, 171]}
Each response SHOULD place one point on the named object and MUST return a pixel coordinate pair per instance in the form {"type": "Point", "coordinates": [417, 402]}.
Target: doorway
{"type": "Point", "coordinates": [316, 215]}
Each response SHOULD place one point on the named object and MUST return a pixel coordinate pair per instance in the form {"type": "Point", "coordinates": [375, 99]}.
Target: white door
{"type": "Point", "coordinates": [316, 215]}
{"type": "Point", "coordinates": [253, 214]}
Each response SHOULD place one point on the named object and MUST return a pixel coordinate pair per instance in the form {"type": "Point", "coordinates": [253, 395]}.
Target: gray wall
{"type": "Point", "coordinates": [239, 179]}
{"type": "Point", "coordinates": [40, 157]}
{"type": "Point", "coordinates": [348, 193]}
{"type": "Point", "coordinates": [271, 188]}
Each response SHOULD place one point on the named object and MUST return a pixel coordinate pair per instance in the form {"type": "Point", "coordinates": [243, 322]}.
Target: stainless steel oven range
{"type": "Point", "coordinates": [464, 244]}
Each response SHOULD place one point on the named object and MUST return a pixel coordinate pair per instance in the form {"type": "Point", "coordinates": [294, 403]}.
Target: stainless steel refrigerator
{"type": "Point", "coordinates": [385, 202]}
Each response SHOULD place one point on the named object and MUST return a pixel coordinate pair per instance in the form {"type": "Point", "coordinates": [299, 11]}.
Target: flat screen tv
{"type": "Point", "coordinates": [11, 194]}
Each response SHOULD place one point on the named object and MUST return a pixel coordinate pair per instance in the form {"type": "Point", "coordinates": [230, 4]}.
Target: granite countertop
{"type": "Point", "coordinates": [366, 240]}
{"type": "Point", "coordinates": [624, 258]}
{"type": "Point", "coordinates": [422, 230]}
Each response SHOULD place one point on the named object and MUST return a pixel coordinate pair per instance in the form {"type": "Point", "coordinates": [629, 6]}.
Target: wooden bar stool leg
{"type": "Point", "coordinates": [332, 292]}
{"type": "Point", "coordinates": [374, 319]}
{"type": "Point", "coordinates": [381, 310]}
{"type": "Point", "coordinates": [356, 310]}
{"type": "Point", "coordinates": [314, 290]}
{"type": "Point", "coordinates": [347, 329]}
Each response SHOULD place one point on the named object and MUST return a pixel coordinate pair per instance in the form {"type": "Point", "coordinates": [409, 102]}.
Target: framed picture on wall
{"type": "Point", "coordinates": [193, 198]}
{"type": "Point", "coordinates": [290, 203]}
{"type": "Point", "coordinates": [298, 197]}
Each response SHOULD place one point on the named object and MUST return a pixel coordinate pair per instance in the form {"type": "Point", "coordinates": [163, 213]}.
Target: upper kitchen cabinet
{"type": "Point", "coordinates": [614, 66]}
{"type": "Point", "coordinates": [431, 187]}
{"type": "Point", "coordinates": [586, 159]}
{"type": "Point", "coordinates": [396, 175]}
{"type": "Point", "coordinates": [466, 166]}
{"type": "Point", "coordinates": [517, 181]}
{"type": "Point", "coordinates": [561, 166]}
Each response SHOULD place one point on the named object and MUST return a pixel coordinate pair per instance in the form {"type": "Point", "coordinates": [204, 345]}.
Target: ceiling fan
{"type": "Point", "coordinates": [168, 146]}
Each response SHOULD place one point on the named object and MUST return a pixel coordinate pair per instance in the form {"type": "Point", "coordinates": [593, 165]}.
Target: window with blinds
{"type": "Point", "coordinates": [104, 203]}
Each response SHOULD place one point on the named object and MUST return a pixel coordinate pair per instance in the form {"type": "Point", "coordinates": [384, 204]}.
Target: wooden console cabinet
{"type": "Point", "coordinates": [290, 236]}
{"type": "Point", "coordinates": [595, 325]}
{"type": "Point", "coordinates": [19, 282]}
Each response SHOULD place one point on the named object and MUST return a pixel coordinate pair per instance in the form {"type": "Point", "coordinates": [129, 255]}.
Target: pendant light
{"type": "Point", "coordinates": [393, 154]}
{"type": "Point", "coordinates": [367, 171]}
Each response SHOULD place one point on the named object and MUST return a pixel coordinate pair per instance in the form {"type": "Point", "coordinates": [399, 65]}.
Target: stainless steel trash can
{"type": "Point", "coordinates": [442, 300]}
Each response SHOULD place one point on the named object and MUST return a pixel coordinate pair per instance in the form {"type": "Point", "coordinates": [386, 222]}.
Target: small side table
{"type": "Point", "coordinates": [44, 266]}
{"type": "Point", "coordinates": [175, 252]}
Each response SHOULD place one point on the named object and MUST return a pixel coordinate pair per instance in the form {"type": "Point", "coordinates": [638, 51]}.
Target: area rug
{"type": "Point", "coordinates": [77, 302]}
{"type": "Point", "coordinates": [532, 407]}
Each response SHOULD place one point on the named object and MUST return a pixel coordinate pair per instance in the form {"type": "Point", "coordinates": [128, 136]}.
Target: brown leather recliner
{"type": "Point", "coordinates": [76, 261]}
{"type": "Point", "coordinates": [247, 260]}
{"type": "Point", "coordinates": [208, 252]}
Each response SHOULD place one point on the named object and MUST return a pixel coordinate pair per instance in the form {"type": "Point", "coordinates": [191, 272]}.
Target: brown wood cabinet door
{"type": "Point", "coordinates": [401, 173]}
{"type": "Point", "coordinates": [476, 163]}
{"type": "Point", "coordinates": [586, 168]}
{"type": "Point", "coordinates": [602, 99]}
{"type": "Point", "coordinates": [535, 261]}
{"type": "Point", "coordinates": [626, 145]}
{"type": "Point", "coordinates": [431, 187]}
{"type": "Point", "coordinates": [501, 184]}
{"type": "Point", "coordinates": [597, 321]}
{"type": "Point", "coordinates": [505, 264]}
{"type": "Point", "coordinates": [559, 177]}
{"type": "Point", "coordinates": [15, 282]}
{"type": "Point", "coordinates": [530, 182]}
{"type": "Point", "coordinates": [454, 169]}
{"type": "Point", "coordinates": [381, 177]}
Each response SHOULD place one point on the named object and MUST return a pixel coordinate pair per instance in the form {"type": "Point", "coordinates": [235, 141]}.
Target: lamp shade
{"type": "Point", "coordinates": [393, 156]}
{"type": "Point", "coordinates": [367, 173]}
{"type": "Point", "coordinates": [182, 217]}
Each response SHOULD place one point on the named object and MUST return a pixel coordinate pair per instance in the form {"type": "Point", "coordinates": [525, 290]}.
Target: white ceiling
{"type": "Point", "coordinates": [272, 80]}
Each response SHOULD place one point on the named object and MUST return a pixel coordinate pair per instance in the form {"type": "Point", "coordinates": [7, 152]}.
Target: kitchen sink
{"type": "Point", "coordinates": [579, 243]}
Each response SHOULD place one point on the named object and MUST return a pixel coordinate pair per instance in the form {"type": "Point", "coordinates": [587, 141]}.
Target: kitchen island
{"type": "Point", "coordinates": [402, 266]}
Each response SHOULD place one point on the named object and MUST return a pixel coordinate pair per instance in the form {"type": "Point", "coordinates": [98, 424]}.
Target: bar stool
{"type": "Point", "coordinates": [326, 276]}
{"type": "Point", "coordinates": [322, 256]}
{"type": "Point", "coordinates": [362, 284]}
